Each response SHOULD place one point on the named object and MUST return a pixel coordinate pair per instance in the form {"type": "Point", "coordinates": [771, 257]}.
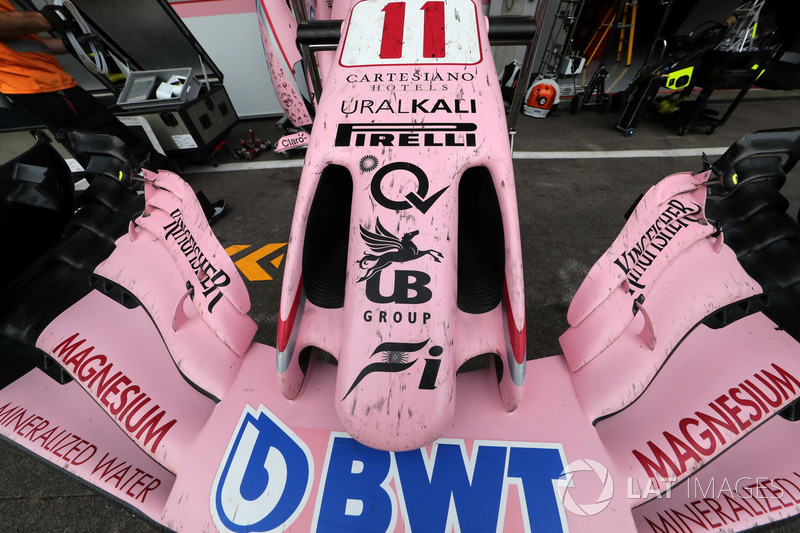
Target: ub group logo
{"type": "Point", "coordinates": [265, 478]}
{"type": "Point", "coordinates": [603, 500]}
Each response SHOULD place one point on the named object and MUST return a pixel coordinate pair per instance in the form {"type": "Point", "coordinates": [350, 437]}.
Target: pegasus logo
{"type": "Point", "coordinates": [389, 249]}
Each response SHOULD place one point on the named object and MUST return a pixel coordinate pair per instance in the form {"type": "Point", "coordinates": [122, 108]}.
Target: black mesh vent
{"type": "Point", "coordinates": [791, 412]}
{"type": "Point", "coordinates": [326, 239]}
{"type": "Point", "coordinates": [766, 240]}
{"type": "Point", "coordinates": [745, 202]}
{"type": "Point", "coordinates": [19, 359]}
{"type": "Point", "coordinates": [116, 292]}
{"type": "Point", "coordinates": [481, 244]}
{"type": "Point", "coordinates": [733, 312]}
{"type": "Point", "coordinates": [48, 286]}
{"type": "Point", "coordinates": [36, 201]}
{"type": "Point", "coordinates": [772, 229]}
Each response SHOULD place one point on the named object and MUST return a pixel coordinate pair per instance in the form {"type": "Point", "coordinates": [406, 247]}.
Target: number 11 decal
{"type": "Point", "coordinates": [394, 23]}
{"type": "Point", "coordinates": [433, 37]}
{"type": "Point", "coordinates": [412, 32]}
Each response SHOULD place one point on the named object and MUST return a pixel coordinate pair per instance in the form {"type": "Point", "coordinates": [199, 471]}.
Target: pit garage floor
{"type": "Point", "coordinates": [575, 180]}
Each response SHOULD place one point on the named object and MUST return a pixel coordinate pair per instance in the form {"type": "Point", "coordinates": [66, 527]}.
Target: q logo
{"type": "Point", "coordinates": [418, 198]}
{"type": "Point", "coordinates": [265, 478]}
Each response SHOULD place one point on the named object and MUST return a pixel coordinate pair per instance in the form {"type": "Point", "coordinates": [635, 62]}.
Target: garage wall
{"type": "Point", "coordinates": [228, 31]}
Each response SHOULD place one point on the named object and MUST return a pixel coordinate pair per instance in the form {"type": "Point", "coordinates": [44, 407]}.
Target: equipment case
{"type": "Point", "coordinates": [192, 129]}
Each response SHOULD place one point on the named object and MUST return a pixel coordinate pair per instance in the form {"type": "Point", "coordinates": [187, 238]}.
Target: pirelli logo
{"type": "Point", "coordinates": [406, 134]}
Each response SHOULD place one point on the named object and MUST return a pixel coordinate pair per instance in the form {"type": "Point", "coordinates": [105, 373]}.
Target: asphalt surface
{"type": "Point", "coordinates": [571, 207]}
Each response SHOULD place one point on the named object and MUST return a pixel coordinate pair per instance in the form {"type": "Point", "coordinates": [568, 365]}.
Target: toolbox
{"type": "Point", "coordinates": [146, 89]}
{"type": "Point", "coordinates": [194, 128]}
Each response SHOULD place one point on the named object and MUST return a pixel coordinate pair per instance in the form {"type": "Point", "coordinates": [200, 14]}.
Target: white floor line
{"type": "Point", "coordinates": [578, 154]}
{"type": "Point", "coordinates": [621, 154]}
{"type": "Point", "coordinates": [246, 165]}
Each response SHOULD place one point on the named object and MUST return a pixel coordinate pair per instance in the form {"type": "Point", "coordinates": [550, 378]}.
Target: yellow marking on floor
{"type": "Point", "coordinates": [248, 265]}
{"type": "Point", "coordinates": [235, 249]}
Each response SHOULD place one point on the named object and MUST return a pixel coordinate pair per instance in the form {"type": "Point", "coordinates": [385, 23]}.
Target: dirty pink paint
{"type": "Point", "coordinates": [395, 379]}
{"type": "Point", "coordinates": [175, 410]}
{"type": "Point", "coordinates": [278, 32]}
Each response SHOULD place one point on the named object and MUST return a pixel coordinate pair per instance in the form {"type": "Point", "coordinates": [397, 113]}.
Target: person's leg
{"type": "Point", "coordinates": [52, 108]}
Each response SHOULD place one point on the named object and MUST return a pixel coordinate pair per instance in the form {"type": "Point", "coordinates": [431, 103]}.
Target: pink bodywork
{"type": "Point", "coordinates": [278, 32]}
{"type": "Point", "coordinates": [666, 271]}
{"type": "Point", "coordinates": [200, 437]}
{"type": "Point", "coordinates": [210, 308]}
{"type": "Point", "coordinates": [278, 26]}
{"type": "Point", "coordinates": [446, 131]}
{"type": "Point", "coordinates": [174, 410]}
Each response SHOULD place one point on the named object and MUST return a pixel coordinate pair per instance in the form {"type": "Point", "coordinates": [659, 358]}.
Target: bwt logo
{"type": "Point", "coordinates": [265, 479]}
{"type": "Point", "coordinates": [266, 476]}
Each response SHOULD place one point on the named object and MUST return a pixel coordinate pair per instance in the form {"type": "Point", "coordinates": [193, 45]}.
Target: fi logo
{"type": "Point", "coordinates": [253, 490]}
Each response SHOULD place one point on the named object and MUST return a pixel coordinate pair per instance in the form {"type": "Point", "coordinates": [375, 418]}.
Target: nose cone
{"type": "Point", "coordinates": [403, 400]}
